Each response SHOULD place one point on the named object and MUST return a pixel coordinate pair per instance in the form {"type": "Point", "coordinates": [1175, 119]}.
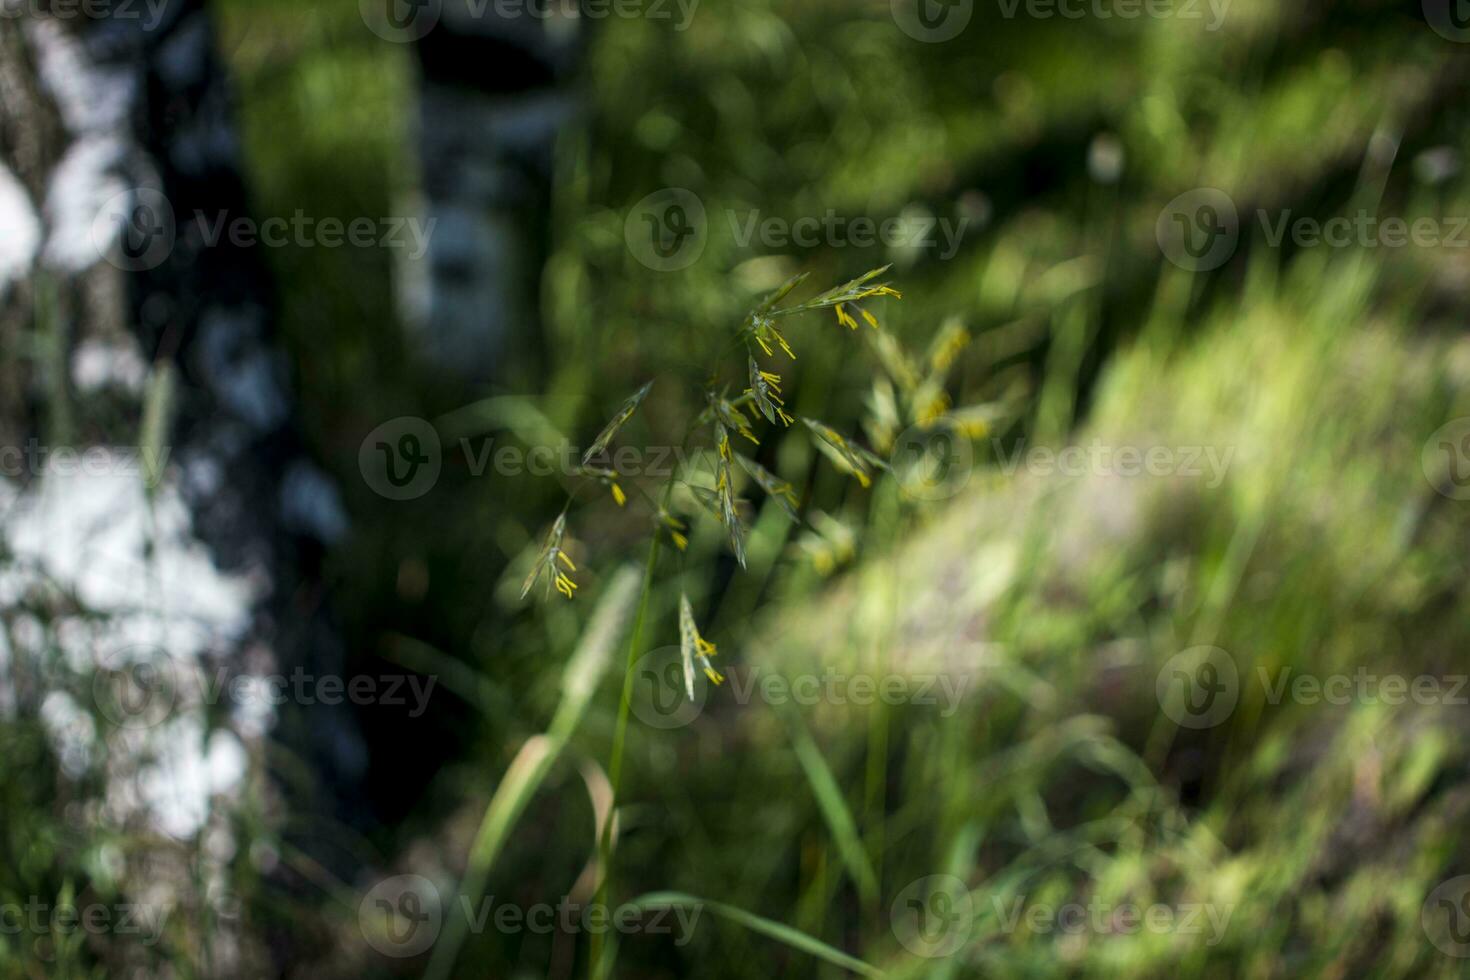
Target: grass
{"type": "Point", "coordinates": [1051, 603]}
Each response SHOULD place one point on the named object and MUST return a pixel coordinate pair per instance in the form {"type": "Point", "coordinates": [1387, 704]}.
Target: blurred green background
{"type": "Point", "coordinates": [1320, 829]}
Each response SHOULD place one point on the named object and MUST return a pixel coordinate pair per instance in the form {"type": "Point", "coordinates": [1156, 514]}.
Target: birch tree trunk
{"type": "Point", "coordinates": [160, 509]}
{"type": "Point", "coordinates": [493, 98]}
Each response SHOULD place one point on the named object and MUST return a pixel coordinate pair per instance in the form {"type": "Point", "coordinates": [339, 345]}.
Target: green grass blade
{"type": "Point", "coordinates": [778, 931]}
{"type": "Point", "coordinates": [532, 764]}
{"type": "Point", "coordinates": [834, 810]}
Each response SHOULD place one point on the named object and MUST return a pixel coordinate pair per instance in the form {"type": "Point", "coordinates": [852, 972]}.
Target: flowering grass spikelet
{"type": "Point", "coordinates": [624, 413]}
{"type": "Point", "coordinates": [678, 530]}
{"type": "Point", "coordinates": [765, 390]}
{"type": "Point", "coordinates": [848, 457]}
{"type": "Point", "coordinates": [775, 488]}
{"type": "Point", "coordinates": [694, 648]}
{"type": "Point", "coordinates": [549, 561]}
{"type": "Point", "coordinates": [725, 494]}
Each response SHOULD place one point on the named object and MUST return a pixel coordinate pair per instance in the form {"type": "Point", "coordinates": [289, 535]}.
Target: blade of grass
{"type": "Point", "coordinates": [778, 931]}
{"type": "Point", "coordinates": [615, 765]}
{"type": "Point", "coordinates": [455, 676]}
{"type": "Point", "coordinates": [532, 764]}
{"type": "Point", "coordinates": [834, 809]}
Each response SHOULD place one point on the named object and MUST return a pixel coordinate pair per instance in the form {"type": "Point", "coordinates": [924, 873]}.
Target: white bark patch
{"type": "Point", "coordinates": [89, 524]}
{"type": "Point", "coordinates": [98, 364]}
{"type": "Point", "coordinates": [93, 99]}
{"type": "Point", "coordinates": [247, 376]}
{"type": "Point", "coordinates": [87, 527]}
{"type": "Point", "coordinates": [20, 230]}
{"type": "Point", "coordinates": [84, 181]}
{"type": "Point", "coordinates": [310, 503]}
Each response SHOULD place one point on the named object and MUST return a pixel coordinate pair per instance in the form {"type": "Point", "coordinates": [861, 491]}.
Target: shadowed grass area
{"type": "Point", "coordinates": [1051, 742]}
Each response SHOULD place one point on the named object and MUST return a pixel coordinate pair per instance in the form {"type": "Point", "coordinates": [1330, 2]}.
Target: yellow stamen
{"type": "Point", "coordinates": [975, 428]}
{"type": "Point", "coordinates": [563, 556]}
{"type": "Point", "coordinates": [565, 585]}
{"type": "Point", "coordinates": [618, 495]}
